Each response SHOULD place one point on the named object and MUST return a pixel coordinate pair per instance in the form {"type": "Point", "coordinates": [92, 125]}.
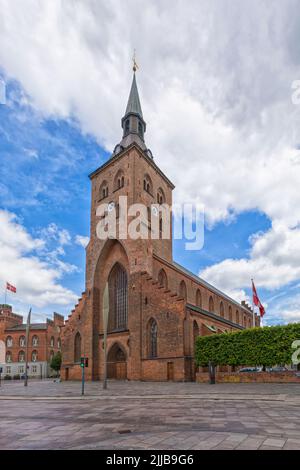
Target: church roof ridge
{"type": "Point", "coordinates": [115, 157]}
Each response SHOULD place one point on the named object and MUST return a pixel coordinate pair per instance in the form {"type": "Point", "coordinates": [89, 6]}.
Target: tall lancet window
{"type": "Point", "coordinates": [118, 298]}
{"type": "Point", "coordinates": [77, 347]}
{"type": "Point", "coordinates": [152, 338]}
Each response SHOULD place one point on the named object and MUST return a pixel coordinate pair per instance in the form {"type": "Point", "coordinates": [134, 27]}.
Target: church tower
{"type": "Point", "coordinates": [156, 307]}
{"type": "Point", "coordinates": [132, 172]}
{"type": "Point", "coordinates": [133, 124]}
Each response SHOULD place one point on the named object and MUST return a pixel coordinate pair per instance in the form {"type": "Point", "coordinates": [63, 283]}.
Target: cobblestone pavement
{"type": "Point", "coordinates": [136, 415]}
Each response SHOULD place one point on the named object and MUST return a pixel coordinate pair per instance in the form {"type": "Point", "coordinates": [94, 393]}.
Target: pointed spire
{"type": "Point", "coordinates": [133, 124]}
{"type": "Point", "coordinates": [134, 105]}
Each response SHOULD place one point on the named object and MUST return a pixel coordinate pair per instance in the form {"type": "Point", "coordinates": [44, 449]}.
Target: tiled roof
{"type": "Point", "coordinates": [34, 326]}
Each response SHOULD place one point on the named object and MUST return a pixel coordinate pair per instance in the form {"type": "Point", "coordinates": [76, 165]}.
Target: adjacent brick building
{"type": "Point", "coordinates": [156, 307]}
{"type": "Point", "coordinates": [44, 342]}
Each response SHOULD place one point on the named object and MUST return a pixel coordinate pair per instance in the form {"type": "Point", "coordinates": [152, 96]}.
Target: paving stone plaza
{"type": "Point", "coordinates": [158, 416]}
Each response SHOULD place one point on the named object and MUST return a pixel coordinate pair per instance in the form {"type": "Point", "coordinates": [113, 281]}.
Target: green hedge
{"type": "Point", "coordinates": [266, 346]}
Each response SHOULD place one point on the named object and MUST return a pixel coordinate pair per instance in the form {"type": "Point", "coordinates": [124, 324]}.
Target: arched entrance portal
{"type": "Point", "coordinates": [116, 363]}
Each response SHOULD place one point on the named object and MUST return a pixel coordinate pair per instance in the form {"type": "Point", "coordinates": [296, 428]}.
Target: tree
{"type": "Point", "coordinates": [266, 346]}
{"type": "Point", "coordinates": [56, 362]}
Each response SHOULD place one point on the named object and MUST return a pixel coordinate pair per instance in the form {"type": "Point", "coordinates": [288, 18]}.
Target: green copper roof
{"type": "Point", "coordinates": [134, 105]}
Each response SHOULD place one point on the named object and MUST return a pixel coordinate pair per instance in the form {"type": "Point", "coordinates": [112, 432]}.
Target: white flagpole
{"type": "Point", "coordinates": [105, 308]}
{"type": "Point", "coordinates": [27, 345]}
{"type": "Point", "coordinates": [253, 313]}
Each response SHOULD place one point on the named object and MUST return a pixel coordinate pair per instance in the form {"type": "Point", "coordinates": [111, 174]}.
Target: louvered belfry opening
{"type": "Point", "coordinates": [118, 298]}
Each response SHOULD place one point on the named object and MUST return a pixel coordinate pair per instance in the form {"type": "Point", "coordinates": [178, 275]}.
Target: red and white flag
{"type": "Point", "coordinates": [11, 287]}
{"type": "Point", "coordinates": [257, 302]}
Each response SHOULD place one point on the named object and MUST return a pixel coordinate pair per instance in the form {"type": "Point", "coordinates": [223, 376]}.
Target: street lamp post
{"type": "Point", "coordinates": [105, 321]}
{"type": "Point", "coordinates": [27, 347]}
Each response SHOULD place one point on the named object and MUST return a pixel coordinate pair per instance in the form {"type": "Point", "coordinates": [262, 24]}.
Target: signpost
{"type": "Point", "coordinates": [82, 365]}
{"type": "Point", "coordinates": [105, 321]}
{"type": "Point", "coordinates": [27, 345]}
{"type": "Point", "coordinates": [84, 362]}
{"type": "Point", "coordinates": [212, 373]}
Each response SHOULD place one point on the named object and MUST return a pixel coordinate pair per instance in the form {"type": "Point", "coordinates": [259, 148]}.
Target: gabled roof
{"type": "Point", "coordinates": [114, 158]}
{"type": "Point", "coordinates": [22, 327]}
{"type": "Point", "coordinates": [213, 316]}
{"type": "Point", "coordinates": [199, 280]}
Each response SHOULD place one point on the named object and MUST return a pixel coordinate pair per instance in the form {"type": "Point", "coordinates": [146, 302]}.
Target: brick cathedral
{"type": "Point", "coordinates": [157, 308]}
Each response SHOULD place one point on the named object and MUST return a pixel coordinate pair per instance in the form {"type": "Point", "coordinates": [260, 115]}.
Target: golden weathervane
{"type": "Point", "coordinates": [135, 65]}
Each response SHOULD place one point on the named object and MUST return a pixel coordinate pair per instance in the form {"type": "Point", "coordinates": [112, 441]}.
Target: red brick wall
{"type": "Point", "coordinates": [146, 299]}
{"type": "Point", "coordinates": [175, 277]}
{"type": "Point", "coordinates": [44, 336]}
{"type": "Point", "coordinates": [246, 377]}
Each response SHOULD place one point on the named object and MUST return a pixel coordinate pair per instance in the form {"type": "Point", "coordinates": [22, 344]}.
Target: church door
{"type": "Point", "coordinates": [170, 371]}
{"type": "Point", "coordinates": [116, 363]}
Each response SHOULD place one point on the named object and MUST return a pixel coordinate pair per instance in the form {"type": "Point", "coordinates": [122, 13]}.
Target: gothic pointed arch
{"type": "Point", "coordinates": [198, 298]}
{"type": "Point", "coordinates": [160, 197]}
{"type": "Point", "coordinates": [118, 298]}
{"type": "Point", "coordinates": [116, 353]}
{"type": "Point", "coordinates": [211, 306]}
{"type": "Point", "coordinates": [117, 362]}
{"type": "Point", "coordinates": [196, 331]}
{"type": "Point", "coordinates": [77, 347]}
{"type": "Point", "coordinates": [119, 180]}
{"type": "Point", "coordinates": [147, 184]}
{"type": "Point", "coordinates": [103, 190]}
{"type": "Point", "coordinates": [152, 338]}
{"type": "Point", "coordinates": [162, 278]}
{"type": "Point", "coordinates": [222, 313]}
{"type": "Point", "coordinates": [113, 249]}
{"type": "Point", "coordinates": [182, 290]}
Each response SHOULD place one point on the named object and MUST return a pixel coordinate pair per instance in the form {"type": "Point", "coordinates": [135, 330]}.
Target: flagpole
{"type": "Point", "coordinates": [105, 321]}
{"type": "Point", "coordinates": [27, 346]}
{"type": "Point", "coordinates": [253, 313]}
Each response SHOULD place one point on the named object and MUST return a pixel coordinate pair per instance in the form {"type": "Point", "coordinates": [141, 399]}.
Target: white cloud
{"type": "Point", "coordinates": [216, 95]}
{"type": "Point", "coordinates": [287, 309]}
{"type": "Point", "coordinates": [35, 279]}
{"type": "Point", "coordinates": [274, 261]}
{"type": "Point", "coordinates": [52, 232]}
{"type": "Point", "coordinates": [81, 240]}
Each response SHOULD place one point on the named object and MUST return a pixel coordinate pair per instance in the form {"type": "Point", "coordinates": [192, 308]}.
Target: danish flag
{"type": "Point", "coordinates": [257, 302]}
{"type": "Point", "coordinates": [11, 287]}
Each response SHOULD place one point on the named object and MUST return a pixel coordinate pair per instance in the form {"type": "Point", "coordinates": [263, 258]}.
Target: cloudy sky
{"type": "Point", "coordinates": [216, 83]}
